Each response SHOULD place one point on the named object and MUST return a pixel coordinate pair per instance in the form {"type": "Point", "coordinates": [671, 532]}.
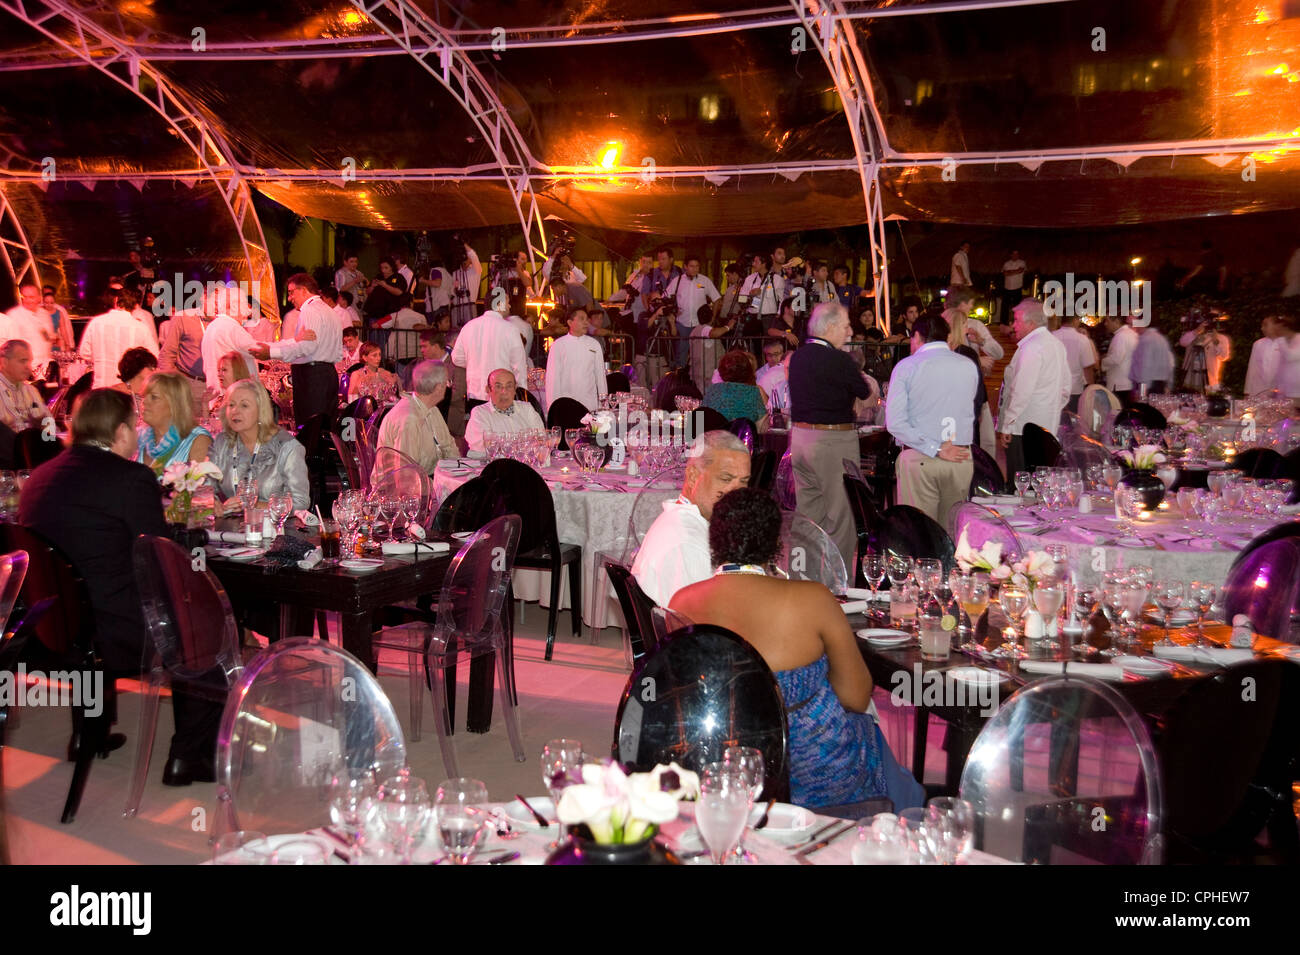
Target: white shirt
{"type": "Point", "coordinates": [107, 338]}
{"type": "Point", "coordinates": [1012, 282]}
{"type": "Point", "coordinates": [775, 382]}
{"type": "Point", "coordinates": [987, 344]}
{"type": "Point", "coordinates": [1292, 275]}
{"type": "Point", "coordinates": [1080, 353]}
{"type": "Point", "coordinates": [1265, 359]}
{"type": "Point", "coordinates": [1037, 384]}
{"type": "Point", "coordinates": [961, 277]}
{"type": "Point", "coordinates": [316, 316]}
{"type": "Point", "coordinates": [1288, 374]}
{"type": "Point", "coordinates": [440, 297]}
{"type": "Point", "coordinates": [525, 331]}
{"type": "Point", "coordinates": [224, 335]}
{"type": "Point", "coordinates": [675, 552]}
{"type": "Point", "coordinates": [575, 368]}
{"type": "Point", "coordinates": [485, 344]}
{"type": "Point", "coordinates": [1118, 362]}
{"type": "Point", "coordinates": [404, 346]}
{"type": "Point", "coordinates": [406, 273]}
{"type": "Point", "coordinates": [692, 294]}
{"type": "Point", "coordinates": [147, 320]}
{"type": "Point", "coordinates": [289, 325]}
{"type": "Point", "coordinates": [576, 275]}
{"type": "Point", "coordinates": [22, 323]}
{"type": "Point", "coordinates": [773, 290]}
{"type": "Point", "coordinates": [486, 419]}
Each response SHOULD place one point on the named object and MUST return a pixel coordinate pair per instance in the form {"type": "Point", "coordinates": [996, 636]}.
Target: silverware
{"type": "Point", "coordinates": [813, 838]}
{"type": "Point", "coordinates": [503, 858]}
{"type": "Point", "coordinates": [809, 850]}
{"type": "Point", "coordinates": [762, 820]}
{"type": "Point", "coordinates": [541, 820]}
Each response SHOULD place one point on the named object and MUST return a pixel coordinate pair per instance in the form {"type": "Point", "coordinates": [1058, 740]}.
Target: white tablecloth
{"type": "Point", "coordinates": [586, 513]}
{"type": "Point", "coordinates": [1099, 541]}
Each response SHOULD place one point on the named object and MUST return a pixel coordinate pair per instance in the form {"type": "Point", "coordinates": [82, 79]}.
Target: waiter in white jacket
{"type": "Point", "coordinates": [575, 365]}
{"type": "Point", "coordinates": [313, 354]}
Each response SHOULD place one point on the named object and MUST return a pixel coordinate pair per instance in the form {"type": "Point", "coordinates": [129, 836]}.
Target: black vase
{"type": "Point", "coordinates": [1149, 487]}
{"type": "Point", "coordinates": [581, 851]}
{"type": "Point", "coordinates": [188, 537]}
{"type": "Point", "coordinates": [1217, 406]}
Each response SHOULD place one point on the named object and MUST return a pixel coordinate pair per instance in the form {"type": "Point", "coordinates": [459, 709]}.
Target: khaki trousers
{"type": "Point", "coordinates": [933, 485]}
{"type": "Point", "coordinates": [818, 461]}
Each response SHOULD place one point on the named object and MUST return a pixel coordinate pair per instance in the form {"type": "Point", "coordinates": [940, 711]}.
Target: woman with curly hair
{"type": "Point", "coordinates": [837, 754]}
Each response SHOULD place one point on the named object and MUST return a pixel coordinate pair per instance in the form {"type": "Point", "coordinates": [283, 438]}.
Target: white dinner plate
{"type": "Point", "coordinates": [361, 565]}
{"type": "Point", "coordinates": [785, 823]}
{"type": "Point", "coordinates": [880, 637]}
{"type": "Point", "coordinates": [1180, 618]}
{"type": "Point", "coordinates": [518, 813]}
{"type": "Point", "coordinates": [274, 842]}
{"type": "Point", "coordinates": [1142, 666]}
{"type": "Point", "coordinates": [463, 535]}
{"type": "Point", "coordinates": [977, 676]}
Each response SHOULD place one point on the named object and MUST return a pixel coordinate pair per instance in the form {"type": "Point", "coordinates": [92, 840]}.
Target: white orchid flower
{"type": "Point", "coordinates": [991, 554]}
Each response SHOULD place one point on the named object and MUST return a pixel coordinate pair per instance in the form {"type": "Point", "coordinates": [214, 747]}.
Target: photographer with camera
{"type": "Point", "coordinates": [764, 290]}
{"type": "Point", "coordinates": [465, 282]}
{"type": "Point", "coordinates": [1207, 350]}
{"type": "Point", "coordinates": [349, 279]}
{"type": "Point", "coordinates": [688, 292]}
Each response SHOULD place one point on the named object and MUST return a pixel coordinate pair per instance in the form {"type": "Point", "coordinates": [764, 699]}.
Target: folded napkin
{"type": "Point", "coordinates": [1085, 535]}
{"type": "Point", "coordinates": [1220, 655]}
{"type": "Point", "coordinates": [857, 593]}
{"type": "Point", "coordinates": [398, 548]}
{"type": "Point", "coordinates": [229, 537]}
{"type": "Point", "coordinates": [311, 560]}
{"type": "Point", "coordinates": [308, 518]}
{"type": "Point", "coordinates": [1098, 671]}
{"type": "Point", "coordinates": [856, 606]}
{"type": "Point", "coordinates": [1290, 509]}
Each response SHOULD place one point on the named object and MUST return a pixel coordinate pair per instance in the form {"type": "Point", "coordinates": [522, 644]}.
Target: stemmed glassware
{"type": "Point", "coordinates": [1014, 601]}
{"type": "Point", "coordinates": [1023, 484]}
{"type": "Point", "coordinates": [571, 436]}
{"type": "Point", "coordinates": [280, 506]}
{"type": "Point", "coordinates": [750, 761]}
{"type": "Point", "coordinates": [1135, 601]}
{"type": "Point", "coordinates": [1111, 474]}
{"type": "Point", "coordinates": [1112, 605]}
{"type": "Point", "coordinates": [1202, 594]}
{"type": "Point", "coordinates": [873, 568]}
{"type": "Point", "coordinates": [1048, 599]}
{"type": "Point", "coordinates": [929, 574]}
{"type": "Point", "coordinates": [352, 794]}
{"type": "Point", "coordinates": [247, 492]}
{"type": "Point", "coordinates": [974, 597]}
{"type": "Point", "coordinates": [1085, 601]}
{"type": "Point", "coordinates": [722, 810]}
{"type": "Point", "coordinates": [562, 761]}
{"type": "Point", "coordinates": [462, 816]}
{"type": "Point", "coordinates": [1170, 593]}
{"type": "Point", "coordinates": [899, 568]}
{"type": "Point", "coordinates": [404, 809]}
{"type": "Point", "coordinates": [1216, 481]}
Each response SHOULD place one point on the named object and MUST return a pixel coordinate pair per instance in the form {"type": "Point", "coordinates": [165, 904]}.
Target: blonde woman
{"type": "Point", "coordinates": [252, 446]}
{"type": "Point", "coordinates": [169, 432]}
{"type": "Point", "coordinates": [230, 369]}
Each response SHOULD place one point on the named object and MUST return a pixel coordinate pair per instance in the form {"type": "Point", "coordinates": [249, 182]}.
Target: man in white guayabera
{"type": "Point", "coordinates": [675, 551]}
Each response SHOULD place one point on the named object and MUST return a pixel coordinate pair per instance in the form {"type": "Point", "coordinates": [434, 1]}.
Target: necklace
{"type": "Point", "coordinates": [740, 569]}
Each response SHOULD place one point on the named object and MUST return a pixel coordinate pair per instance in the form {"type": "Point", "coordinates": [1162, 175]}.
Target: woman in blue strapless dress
{"type": "Point", "coordinates": [837, 754]}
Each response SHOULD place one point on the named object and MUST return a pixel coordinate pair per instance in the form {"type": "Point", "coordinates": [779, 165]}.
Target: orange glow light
{"type": "Point", "coordinates": [609, 158]}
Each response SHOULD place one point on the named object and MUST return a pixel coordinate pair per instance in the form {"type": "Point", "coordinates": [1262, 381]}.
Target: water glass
{"type": "Point", "coordinates": [462, 818]}
{"type": "Point", "coordinates": [880, 844]}
{"type": "Point", "coordinates": [722, 810]}
{"type": "Point", "coordinates": [280, 507]}
{"type": "Point", "coordinates": [899, 569]}
{"type": "Point", "coordinates": [929, 574]}
{"type": "Point", "coordinates": [1022, 484]}
{"type": "Point", "coordinates": [1170, 593]}
{"type": "Point", "coordinates": [1202, 594]}
{"type": "Point", "coordinates": [403, 808]}
{"type": "Point", "coordinates": [352, 794]}
{"type": "Point", "coordinates": [951, 826]}
{"type": "Point", "coordinates": [902, 605]}
{"type": "Point", "coordinates": [873, 569]}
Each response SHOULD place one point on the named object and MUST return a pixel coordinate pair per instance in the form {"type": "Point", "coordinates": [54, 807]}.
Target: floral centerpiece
{"type": "Point", "coordinates": [1142, 462]}
{"type": "Point", "coordinates": [600, 425]}
{"type": "Point", "coordinates": [620, 809]}
{"type": "Point", "coordinates": [987, 559]}
{"type": "Point", "coordinates": [1145, 457]}
{"type": "Point", "coordinates": [1036, 569]}
{"type": "Point", "coordinates": [185, 478]}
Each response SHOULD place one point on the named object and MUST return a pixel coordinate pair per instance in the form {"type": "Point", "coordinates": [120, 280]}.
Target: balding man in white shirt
{"type": "Point", "coordinates": [485, 344]}
{"type": "Point", "coordinates": [575, 365]}
{"type": "Point", "coordinates": [502, 414]}
{"type": "Point", "coordinates": [1037, 383]}
{"type": "Point", "coordinates": [28, 321]}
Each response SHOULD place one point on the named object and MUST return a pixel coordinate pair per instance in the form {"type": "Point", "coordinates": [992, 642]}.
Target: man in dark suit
{"type": "Point", "coordinates": [92, 502]}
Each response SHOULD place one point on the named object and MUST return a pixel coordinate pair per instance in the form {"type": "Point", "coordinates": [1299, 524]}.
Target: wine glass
{"type": "Point", "coordinates": [1112, 605]}
{"type": "Point", "coordinates": [404, 809]}
{"type": "Point", "coordinates": [1022, 485]}
{"type": "Point", "coordinates": [280, 506]}
{"type": "Point", "coordinates": [873, 568]}
{"type": "Point", "coordinates": [1014, 601]}
{"type": "Point", "coordinates": [1085, 602]}
{"type": "Point", "coordinates": [899, 568]}
{"type": "Point", "coordinates": [562, 762]}
{"type": "Point", "coordinates": [974, 597]}
{"type": "Point", "coordinates": [247, 493]}
{"type": "Point", "coordinates": [1135, 601]}
{"type": "Point", "coordinates": [1170, 593]}
{"type": "Point", "coordinates": [1216, 481]}
{"type": "Point", "coordinates": [1047, 601]}
{"type": "Point", "coordinates": [1130, 505]}
{"type": "Point", "coordinates": [571, 436]}
{"type": "Point", "coordinates": [722, 810]}
{"type": "Point", "coordinates": [750, 761]}
{"type": "Point", "coordinates": [1202, 594]}
{"type": "Point", "coordinates": [929, 574]}
{"type": "Point", "coordinates": [459, 808]}
{"type": "Point", "coordinates": [410, 509]}
{"type": "Point", "coordinates": [352, 794]}
{"type": "Point", "coordinates": [553, 437]}
{"type": "Point", "coordinates": [1111, 474]}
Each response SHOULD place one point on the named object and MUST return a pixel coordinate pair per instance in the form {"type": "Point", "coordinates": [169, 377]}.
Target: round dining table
{"type": "Point", "coordinates": [591, 510]}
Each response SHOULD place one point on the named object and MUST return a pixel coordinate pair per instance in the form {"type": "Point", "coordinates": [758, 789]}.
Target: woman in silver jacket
{"type": "Point", "coordinates": [252, 442]}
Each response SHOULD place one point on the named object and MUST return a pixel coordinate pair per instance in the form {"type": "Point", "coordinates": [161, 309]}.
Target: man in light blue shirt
{"type": "Point", "coordinates": [930, 412]}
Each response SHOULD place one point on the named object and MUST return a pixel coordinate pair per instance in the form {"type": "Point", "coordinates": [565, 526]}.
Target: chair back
{"type": "Point", "coordinates": [746, 431]}
{"type": "Point", "coordinates": [360, 409]}
{"type": "Point", "coordinates": [311, 433]}
{"type": "Point", "coordinates": [1081, 451]}
{"type": "Point", "coordinates": [1242, 774]}
{"type": "Point", "coordinates": [673, 385]}
{"type": "Point", "coordinates": [61, 406]}
{"type": "Point", "coordinates": [13, 571]}
{"type": "Point", "coordinates": [467, 508]}
{"type": "Point", "coordinates": [564, 413]}
{"type": "Point", "coordinates": [1041, 447]}
{"type": "Point", "coordinates": [981, 525]}
{"type": "Point", "coordinates": [1253, 462]}
{"type": "Point", "coordinates": [762, 470]}
{"type": "Point", "coordinates": [866, 521]}
{"type": "Point", "coordinates": [702, 691]}
{"type": "Point", "coordinates": [518, 489]}
{"type": "Point", "coordinates": [1142, 416]}
{"type": "Point", "coordinates": [783, 487]}
{"type": "Point", "coordinates": [475, 585]}
{"type": "Point", "coordinates": [617, 382]}
{"type": "Point", "coordinates": [348, 458]}
{"type": "Point", "coordinates": [32, 448]}
{"type": "Point", "coordinates": [637, 609]}
{"type": "Point", "coordinates": [396, 472]}
{"type": "Point", "coordinates": [808, 553]}
{"type": "Point", "coordinates": [1264, 584]}
{"type": "Point", "coordinates": [367, 439]}
{"type": "Point", "coordinates": [649, 504]}
{"type": "Point", "coordinates": [301, 712]}
{"type": "Point", "coordinates": [186, 611]}
{"type": "Point", "coordinates": [987, 477]}
{"type": "Point", "coordinates": [1096, 405]}
{"type": "Point", "coordinates": [908, 532]}
{"type": "Point", "coordinates": [711, 419]}
{"type": "Point", "coordinates": [1058, 756]}
{"type": "Point", "coordinates": [68, 624]}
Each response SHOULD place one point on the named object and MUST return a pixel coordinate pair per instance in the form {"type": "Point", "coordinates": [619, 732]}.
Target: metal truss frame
{"type": "Point", "coordinates": [436, 51]}
{"type": "Point", "coordinates": [117, 59]}
{"type": "Point", "coordinates": [15, 248]}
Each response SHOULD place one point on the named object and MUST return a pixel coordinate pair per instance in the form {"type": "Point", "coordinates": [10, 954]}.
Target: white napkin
{"type": "Point", "coordinates": [311, 560]}
{"type": "Point", "coordinates": [857, 593]}
{"type": "Point", "coordinates": [856, 606]}
{"type": "Point", "coordinates": [308, 518]}
{"type": "Point", "coordinates": [1099, 671]}
{"type": "Point", "coordinates": [229, 537]}
{"type": "Point", "coordinates": [398, 548]}
{"type": "Point", "coordinates": [1085, 535]}
{"type": "Point", "coordinates": [1221, 655]}
{"type": "Point", "coordinates": [1290, 509]}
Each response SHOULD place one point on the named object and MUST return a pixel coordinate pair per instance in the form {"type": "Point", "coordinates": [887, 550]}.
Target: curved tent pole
{"type": "Point", "coordinates": [434, 49]}
{"type": "Point", "coordinates": [116, 59]}
{"type": "Point", "coordinates": [15, 249]}
{"type": "Point", "coordinates": [828, 26]}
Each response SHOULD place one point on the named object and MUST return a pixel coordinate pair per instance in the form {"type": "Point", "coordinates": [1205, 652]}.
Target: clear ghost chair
{"type": "Point", "coordinates": [783, 488]}
{"type": "Point", "coordinates": [807, 553]}
{"type": "Point", "coordinates": [982, 524]}
{"type": "Point", "coordinates": [193, 639]}
{"type": "Point", "coordinates": [399, 472]}
{"type": "Point", "coordinates": [301, 712]}
{"type": "Point", "coordinates": [468, 621]}
{"type": "Point", "coordinates": [1060, 755]}
{"type": "Point", "coordinates": [1264, 584]}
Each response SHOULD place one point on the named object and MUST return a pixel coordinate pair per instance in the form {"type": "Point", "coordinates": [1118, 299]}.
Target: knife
{"type": "Point", "coordinates": [813, 838]}
{"type": "Point", "coordinates": [541, 820]}
{"type": "Point", "coordinates": [809, 850]}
